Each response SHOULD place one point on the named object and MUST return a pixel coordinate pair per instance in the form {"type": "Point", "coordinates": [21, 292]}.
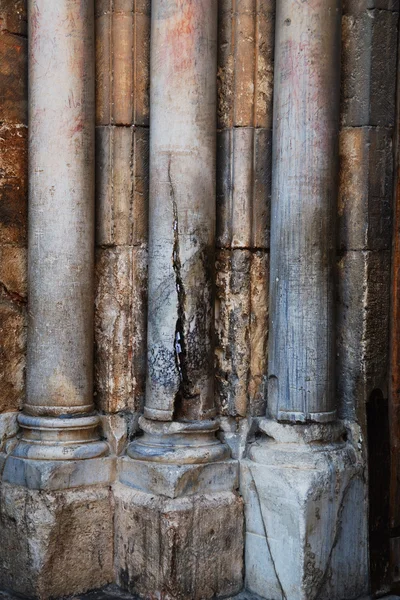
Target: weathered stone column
{"type": "Point", "coordinates": [57, 421]}
{"type": "Point", "coordinates": [182, 470]}
{"type": "Point", "coordinates": [59, 428]}
{"type": "Point", "coordinates": [306, 477]}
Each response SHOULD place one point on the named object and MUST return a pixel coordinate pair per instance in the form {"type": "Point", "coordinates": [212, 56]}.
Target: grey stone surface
{"type": "Point", "coordinates": [306, 521]}
{"type": "Point", "coordinates": [175, 480]}
{"type": "Point", "coordinates": [362, 329]}
{"type": "Point", "coordinates": [369, 68]}
{"type": "Point", "coordinates": [303, 209]}
{"type": "Point", "coordinates": [59, 475]}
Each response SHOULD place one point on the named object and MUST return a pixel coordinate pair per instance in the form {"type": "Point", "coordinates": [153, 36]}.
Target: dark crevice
{"type": "Point", "coordinates": [180, 350]}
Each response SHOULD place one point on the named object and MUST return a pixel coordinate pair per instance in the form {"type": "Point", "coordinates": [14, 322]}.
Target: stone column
{"type": "Point", "coordinates": [57, 420]}
{"type": "Point", "coordinates": [47, 485]}
{"type": "Point", "coordinates": [304, 479]}
{"type": "Point", "coordinates": [182, 470]}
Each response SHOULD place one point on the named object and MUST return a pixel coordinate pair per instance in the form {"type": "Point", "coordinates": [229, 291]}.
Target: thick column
{"type": "Point", "coordinates": [178, 480]}
{"type": "Point", "coordinates": [304, 192]}
{"type": "Point", "coordinates": [61, 235]}
{"type": "Point", "coordinates": [303, 483]}
{"type": "Point", "coordinates": [47, 485]}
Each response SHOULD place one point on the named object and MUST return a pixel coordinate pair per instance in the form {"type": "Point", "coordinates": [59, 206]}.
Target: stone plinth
{"type": "Point", "coordinates": [55, 543]}
{"type": "Point", "coordinates": [180, 548]}
{"type": "Point", "coordinates": [306, 529]}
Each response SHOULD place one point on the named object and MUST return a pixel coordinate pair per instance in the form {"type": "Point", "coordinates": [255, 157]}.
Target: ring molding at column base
{"type": "Point", "coordinates": [178, 442]}
{"type": "Point", "coordinates": [49, 438]}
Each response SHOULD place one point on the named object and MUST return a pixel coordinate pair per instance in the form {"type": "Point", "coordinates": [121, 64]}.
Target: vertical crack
{"type": "Point", "coordinates": [180, 352]}
{"type": "Point", "coordinates": [284, 597]}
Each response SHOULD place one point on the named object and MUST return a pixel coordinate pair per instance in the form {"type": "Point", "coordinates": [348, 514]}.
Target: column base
{"type": "Point", "coordinates": [178, 442]}
{"type": "Point", "coordinates": [184, 547]}
{"type": "Point", "coordinates": [306, 515]}
{"type": "Point", "coordinates": [56, 438]}
{"type": "Point", "coordinates": [55, 544]}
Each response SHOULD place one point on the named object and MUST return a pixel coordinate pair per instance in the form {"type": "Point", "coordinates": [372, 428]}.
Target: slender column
{"type": "Point", "coordinates": [304, 184]}
{"type": "Point", "coordinates": [58, 421]}
{"type": "Point", "coordinates": [180, 389]}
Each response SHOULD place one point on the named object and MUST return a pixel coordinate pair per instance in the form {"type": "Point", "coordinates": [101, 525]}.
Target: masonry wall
{"type": "Point", "coordinates": [245, 80]}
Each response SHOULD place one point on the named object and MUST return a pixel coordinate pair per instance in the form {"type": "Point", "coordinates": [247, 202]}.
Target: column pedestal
{"type": "Point", "coordinates": [306, 526]}
{"type": "Point", "coordinates": [179, 525]}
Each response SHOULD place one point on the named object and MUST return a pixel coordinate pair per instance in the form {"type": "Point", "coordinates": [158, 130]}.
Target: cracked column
{"type": "Point", "coordinates": [303, 481]}
{"type": "Point", "coordinates": [59, 445]}
{"type": "Point", "coordinates": [181, 480]}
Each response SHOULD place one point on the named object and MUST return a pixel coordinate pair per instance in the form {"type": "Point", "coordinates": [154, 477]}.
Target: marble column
{"type": "Point", "coordinates": [57, 477]}
{"type": "Point", "coordinates": [304, 476]}
{"type": "Point", "coordinates": [58, 420]}
{"type": "Point", "coordinates": [181, 478]}
{"type": "Point", "coordinates": [180, 358]}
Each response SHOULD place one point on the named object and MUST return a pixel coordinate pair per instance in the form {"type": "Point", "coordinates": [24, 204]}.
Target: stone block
{"type": "Point", "coordinates": [54, 475]}
{"type": "Point", "coordinates": [177, 480]}
{"type": "Point", "coordinates": [122, 186]}
{"type": "Point", "coordinates": [362, 329]}
{"type": "Point", "coordinates": [13, 184]}
{"type": "Point", "coordinates": [310, 523]}
{"type": "Point", "coordinates": [369, 68]}
{"type": "Point", "coordinates": [13, 71]}
{"type": "Point", "coordinates": [122, 62]}
{"type": "Point", "coordinates": [120, 328]}
{"type": "Point", "coordinates": [190, 547]}
{"type": "Point", "coordinates": [244, 188]}
{"type": "Point", "coordinates": [365, 188]}
{"type": "Point", "coordinates": [241, 331]}
{"type": "Point", "coordinates": [55, 543]}
{"type": "Point", "coordinates": [245, 63]}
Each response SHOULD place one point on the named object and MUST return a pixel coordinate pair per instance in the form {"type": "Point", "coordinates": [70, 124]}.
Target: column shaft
{"type": "Point", "coordinates": [182, 210]}
{"type": "Point", "coordinates": [61, 232]}
{"type": "Point", "coordinates": [305, 163]}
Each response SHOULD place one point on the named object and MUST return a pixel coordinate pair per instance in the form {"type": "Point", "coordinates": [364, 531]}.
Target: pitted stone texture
{"type": "Point", "coordinates": [13, 61]}
{"type": "Point", "coordinates": [55, 543]}
{"type": "Point", "coordinates": [241, 332]}
{"type": "Point", "coordinates": [305, 521]}
{"type": "Point", "coordinates": [53, 475]}
{"type": "Point", "coordinates": [184, 548]}
{"type": "Point", "coordinates": [175, 480]}
{"type": "Point", "coordinates": [120, 328]}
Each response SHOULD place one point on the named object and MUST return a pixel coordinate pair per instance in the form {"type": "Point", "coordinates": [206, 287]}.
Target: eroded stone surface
{"type": "Point", "coordinates": [55, 543]}
{"type": "Point", "coordinates": [189, 547]}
